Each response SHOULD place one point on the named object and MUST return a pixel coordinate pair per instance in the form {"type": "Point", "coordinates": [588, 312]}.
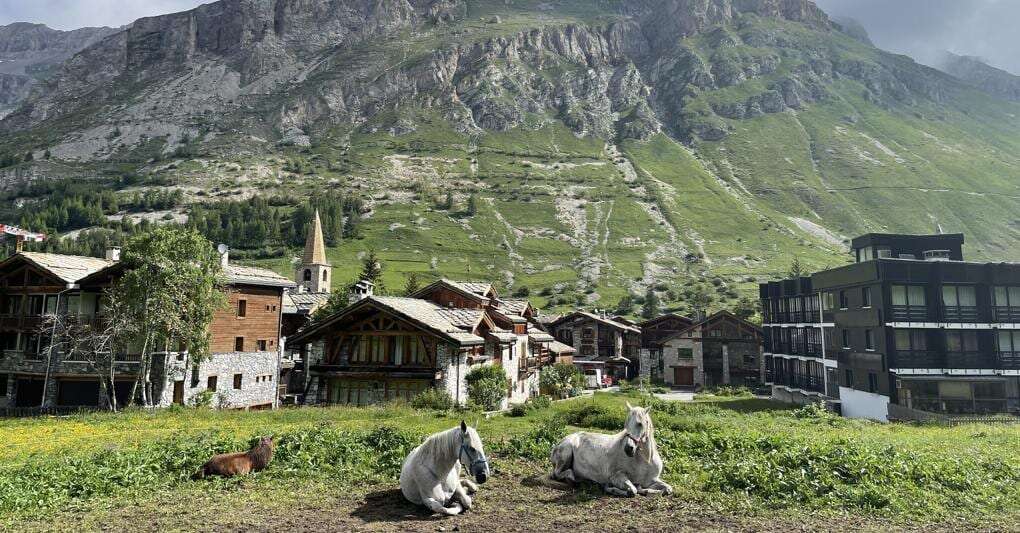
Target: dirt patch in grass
{"type": "Point", "coordinates": [511, 501]}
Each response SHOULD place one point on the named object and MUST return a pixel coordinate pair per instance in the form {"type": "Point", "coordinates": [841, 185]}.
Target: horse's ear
{"type": "Point", "coordinates": [648, 410]}
{"type": "Point", "coordinates": [629, 407]}
{"type": "Point", "coordinates": [478, 422]}
{"type": "Point", "coordinates": [463, 426]}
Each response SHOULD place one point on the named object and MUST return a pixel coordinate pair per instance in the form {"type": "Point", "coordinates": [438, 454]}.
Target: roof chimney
{"type": "Point", "coordinates": [361, 290]}
{"type": "Point", "coordinates": [113, 253]}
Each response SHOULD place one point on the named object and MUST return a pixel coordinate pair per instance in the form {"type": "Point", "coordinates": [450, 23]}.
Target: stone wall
{"type": "Point", "coordinates": [258, 386]}
{"type": "Point", "coordinates": [453, 364]}
{"type": "Point", "coordinates": [671, 358]}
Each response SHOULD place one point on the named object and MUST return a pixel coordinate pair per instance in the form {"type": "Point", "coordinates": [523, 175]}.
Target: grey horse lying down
{"type": "Point", "coordinates": [624, 464]}
{"type": "Point", "coordinates": [431, 473]}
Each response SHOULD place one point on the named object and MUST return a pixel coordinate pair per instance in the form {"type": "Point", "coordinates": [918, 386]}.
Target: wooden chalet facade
{"type": "Point", "coordinates": [719, 350]}
{"type": "Point", "coordinates": [245, 338]}
{"type": "Point", "coordinates": [653, 332]}
{"type": "Point", "coordinates": [598, 338]}
{"type": "Point", "coordinates": [383, 348]}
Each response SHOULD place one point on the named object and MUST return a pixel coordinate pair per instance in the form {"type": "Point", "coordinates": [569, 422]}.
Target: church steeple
{"type": "Point", "coordinates": [315, 246]}
{"type": "Point", "coordinates": [314, 271]}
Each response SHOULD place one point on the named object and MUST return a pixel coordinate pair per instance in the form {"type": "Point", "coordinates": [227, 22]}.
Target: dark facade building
{"type": "Point", "coordinates": [908, 329]}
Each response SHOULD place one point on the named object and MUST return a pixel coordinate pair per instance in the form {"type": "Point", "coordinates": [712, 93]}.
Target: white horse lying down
{"type": "Point", "coordinates": [431, 473]}
{"type": "Point", "coordinates": [625, 464]}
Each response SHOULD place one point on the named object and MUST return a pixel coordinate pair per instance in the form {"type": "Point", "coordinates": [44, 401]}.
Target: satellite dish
{"type": "Point", "coordinates": [222, 249]}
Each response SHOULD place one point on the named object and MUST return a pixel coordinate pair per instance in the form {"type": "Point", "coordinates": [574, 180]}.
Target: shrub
{"type": "Point", "coordinates": [562, 380]}
{"type": "Point", "coordinates": [536, 443]}
{"type": "Point", "coordinates": [596, 416]}
{"type": "Point", "coordinates": [433, 398]}
{"type": "Point", "coordinates": [487, 386]}
{"type": "Point", "coordinates": [534, 404]}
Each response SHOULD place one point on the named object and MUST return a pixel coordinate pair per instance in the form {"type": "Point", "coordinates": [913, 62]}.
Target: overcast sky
{"type": "Point", "coordinates": [921, 29]}
{"type": "Point", "coordinates": [71, 14]}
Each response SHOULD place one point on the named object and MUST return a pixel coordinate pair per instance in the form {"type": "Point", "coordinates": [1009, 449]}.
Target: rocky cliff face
{"type": "Point", "coordinates": [29, 52]}
{"type": "Point", "coordinates": [288, 69]}
{"type": "Point", "coordinates": [975, 72]}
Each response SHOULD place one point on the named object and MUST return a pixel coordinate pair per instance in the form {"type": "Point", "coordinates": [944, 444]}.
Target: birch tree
{"type": "Point", "coordinates": [170, 290]}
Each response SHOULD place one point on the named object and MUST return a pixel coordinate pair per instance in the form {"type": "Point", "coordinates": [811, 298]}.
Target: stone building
{"type": "Point", "coordinates": [719, 350]}
{"type": "Point", "coordinates": [653, 331]}
{"type": "Point", "coordinates": [596, 337]}
{"type": "Point", "coordinates": [242, 372]}
{"type": "Point", "coordinates": [381, 348]}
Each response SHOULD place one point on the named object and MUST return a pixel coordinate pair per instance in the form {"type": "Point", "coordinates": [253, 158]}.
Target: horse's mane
{"type": "Point", "coordinates": [440, 447]}
{"type": "Point", "coordinates": [261, 454]}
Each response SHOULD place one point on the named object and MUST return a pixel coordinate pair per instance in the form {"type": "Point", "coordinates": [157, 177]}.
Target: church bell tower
{"type": "Point", "coordinates": [314, 273]}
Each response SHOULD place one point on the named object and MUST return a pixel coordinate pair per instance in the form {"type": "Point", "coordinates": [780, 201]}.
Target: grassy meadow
{"type": "Point", "coordinates": [751, 463]}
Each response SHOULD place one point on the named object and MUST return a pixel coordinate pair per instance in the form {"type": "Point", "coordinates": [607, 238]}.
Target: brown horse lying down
{"type": "Point", "coordinates": [239, 464]}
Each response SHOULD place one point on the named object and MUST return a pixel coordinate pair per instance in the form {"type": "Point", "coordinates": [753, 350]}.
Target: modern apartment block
{"type": "Point", "coordinates": [910, 328]}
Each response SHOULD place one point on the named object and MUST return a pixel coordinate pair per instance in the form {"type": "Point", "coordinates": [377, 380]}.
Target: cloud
{"type": "Point", "coordinates": [71, 14]}
{"type": "Point", "coordinates": [923, 29]}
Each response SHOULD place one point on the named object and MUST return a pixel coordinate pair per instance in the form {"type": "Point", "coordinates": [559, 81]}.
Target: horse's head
{"type": "Point", "coordinates": [637, 430]}
{"type": "Point", "coordinates": [472, 455]}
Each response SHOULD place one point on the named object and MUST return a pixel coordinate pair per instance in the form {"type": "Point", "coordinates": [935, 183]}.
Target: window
{"type": "Point", "coordinates": [210, 383]}
{"type": "Point", "coordinates": [882, 252]}
{"type": "Point", "coordinates": [238, 378]}
{"type": "Point", "coordinates": [3, 384]}
{"type": "Point", "coordinates": [1008, 341]}
{"type": "Point", "coordinates": [866, 297]}
{"type": "Point", "coordinates": [911, 340]}
{"type": "Point", "coordinates": [869, 340]}
{"type": "Point", "coordinates": [846, 339]}
{"type": "Point", "coordinates": [829, 301]}
{"type": "Point", "coordinates": [12, 305]}
{"type": "Point", "coordinates": [587, 333]}
{"type": "Point", "coordinates": [238, 344]}
{"type": "Point", "coordinates": [848, 376]}
{"type": "Point", "coordinates": [325, 276]}
{"type": "Point", "coordinates": [308, 274]}
{"type": "Point", "coordinates": [35, 305]}
{"type": "Point", "coordinates": [685, 353]}
{"type": "Point", "coordinates": [715, 333]}
{"type": "Point", "coordinates": [909, 302]}
{"type": "Point", "coordinates": [961, 341]}
{"type": "Point", "coordinates": [242, 308]}
{"type": "Point", "coordinates": [844, 300]}
{"type": "Point", "coordinates": [263, 345]}
{"type": "Point", "coordinates": [959, 302]}
{"type": "Point", "coordinates": [9, 341]}
{"type": "Point", "coordinates": [872, 382]}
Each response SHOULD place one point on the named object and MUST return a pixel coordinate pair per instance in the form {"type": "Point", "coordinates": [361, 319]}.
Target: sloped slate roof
{"type": "Point", "coordinates": [69, 268]}
{"type": "Point", "coordinates": [246, 275]}
{"type": "Point", "coordinates": [607, 321]}
{"type": "Point", "coordinates": [449, 323]}
{"type": "Point", "coordinates": [474, 289]}
{"type": "Point", "coordinates": [516, 307]}
{"type": "Point", "coordinates": [559, 348]}
{"type": "Point", "coordinates": [304, 302]}
{"type": "Point", "coordinates": [539, 336]}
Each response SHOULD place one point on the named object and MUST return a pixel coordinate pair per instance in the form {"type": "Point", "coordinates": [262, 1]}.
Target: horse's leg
{"type": "Point", "coordinates": [435, 501]}
{"type": "Point", "coordinates": [661, 487]}
{"type": "Point", "coordinates": [619, 485]}
{"type": "Point", "coordinates": [469, 486]}
{"type": "Point", "coordinates": [459, 494]}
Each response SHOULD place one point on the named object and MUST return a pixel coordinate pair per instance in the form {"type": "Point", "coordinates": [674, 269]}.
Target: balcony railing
{"type": "Point", "coordinates": [1007, 314]}
{"type": "Point", "coordinates": [797, 381]}
{"type": "Point", "coordinates": [964, 406]}
{"type": "Point", "coordinates": [960, 314]}
{"type": "Point", "coordinates": [1009, 360]}
{"type": "Point", "coordinates": [910, 313]}
{"type": "Point", "coordinates": [917, 359]}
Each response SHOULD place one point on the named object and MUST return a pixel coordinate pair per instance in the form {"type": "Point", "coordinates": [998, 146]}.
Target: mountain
{"type": "Point", "coordinates": [974, 71]}
{"type": "Point", "coordinates": [853, 28]}
{"type": "Point", "coordinates": [30, 52]}
{"type": "Point", "coordinates": [584, 150]}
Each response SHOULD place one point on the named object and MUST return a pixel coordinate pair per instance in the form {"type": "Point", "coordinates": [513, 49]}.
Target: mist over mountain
{"type": "Point", "coordinates": [923, 29]}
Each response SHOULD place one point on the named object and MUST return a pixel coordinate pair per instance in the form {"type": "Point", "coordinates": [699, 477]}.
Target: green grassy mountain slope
{"type": "Point", "coordinates": [606, 148]}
